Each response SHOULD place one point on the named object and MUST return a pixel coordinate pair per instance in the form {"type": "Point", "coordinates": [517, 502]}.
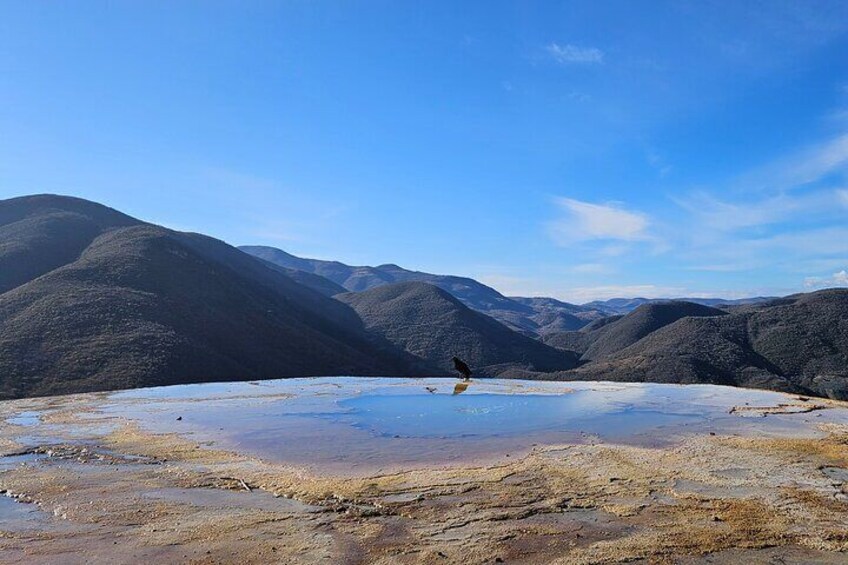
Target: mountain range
{"type": "Point", "coordinates": [93, 299]}
{"type": "Point", "coordinates": [535, 316]}
{"type": "Point", "coordinates": [624, 305]}
{"type": "Point", "coordinates": [531, 316]}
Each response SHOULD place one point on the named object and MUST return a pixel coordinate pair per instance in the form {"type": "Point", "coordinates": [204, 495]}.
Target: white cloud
{"type": "Point", "coordinates": [836, 279]}
{"type": "Point", "coordinates": [572, 54]}
{"type": "Point", "coordinates": [585, 221]}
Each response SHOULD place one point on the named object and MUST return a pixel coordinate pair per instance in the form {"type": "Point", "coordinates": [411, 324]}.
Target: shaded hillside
{"type": "Point", "coordinates": [551, 315]}
{"type": "Point", "coordinates": [613, 333]}
{"type": "Point", "coordinates": [315, 282]}
{"type": "Point", "coordinates": [645, 319]}
{"type": "Point", "coordinates": [43, 232]}
{"type": "Point", "coordinates": [806, 335]}
{"type": "Point", "coordinates": [431, 324]}
{"type": "Point", "coordinates": [580, 340]}
{"type": "Point", "coordinates": [576, 341]}
{"type": "Point", "coordinates": [143, 305]}
{"type": "Point", "coordinates": [531, 316]}
{"type": "Point", "coordinates": [601, 322]}
{"type": "Point", "coordinates": [799, 343]}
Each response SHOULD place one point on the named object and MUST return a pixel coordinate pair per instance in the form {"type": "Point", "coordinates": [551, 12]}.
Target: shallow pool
{"type": "Point", "coordinates": [352, 424]}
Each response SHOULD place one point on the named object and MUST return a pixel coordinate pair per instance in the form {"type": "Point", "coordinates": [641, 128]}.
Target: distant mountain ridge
{"type": "Point", "coordinates": [535, 316]}
{"type": "Point", "coordinates": [625, 305]}
{"type": "Point", "coordinates": [531, 316]}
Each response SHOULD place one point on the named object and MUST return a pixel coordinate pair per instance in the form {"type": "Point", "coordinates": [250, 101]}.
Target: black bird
{"type": "Point", "coordinates": [462, 368]}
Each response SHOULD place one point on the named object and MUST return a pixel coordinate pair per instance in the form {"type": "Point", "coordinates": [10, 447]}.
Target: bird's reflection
{"type": "Point", "coordinates": [460, 388]}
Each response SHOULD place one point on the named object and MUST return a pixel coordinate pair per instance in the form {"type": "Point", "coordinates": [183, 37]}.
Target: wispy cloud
{"type": "Point", "coordinates": [800, 169]}
{"type": "Point", "coordinates": [581, 295]}
{"type": "Point", "coordinates": [306, 220]}
{"type": "Point", "coordinates": [788, 213]}
{"type": "Point", "coordinates": [528, 286]}
{"type": "Point", "coordinates": [822, 160]}
{"type": "Point", "coordinates": [783, 251]}
{"type": "Point", "coordinates": [587, 221]}
{"type": "Point", "coordinates": [569, 54]}
{"type": "Point", "coordinates": [580, 97]}
{"type": "Point", "coordinates": [659, 163]}
{"type": "Point", "coordinates": [726, 215]}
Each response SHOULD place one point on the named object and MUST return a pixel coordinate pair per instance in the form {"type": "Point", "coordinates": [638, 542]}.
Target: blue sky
{"type": "Point", "coordinates": [573, 149]}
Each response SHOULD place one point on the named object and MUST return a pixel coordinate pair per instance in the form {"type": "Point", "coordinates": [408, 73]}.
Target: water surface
{"type": "Point", "coordinates": [352, 424]}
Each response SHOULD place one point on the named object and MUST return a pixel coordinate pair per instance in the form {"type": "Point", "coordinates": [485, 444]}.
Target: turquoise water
{"type": "Point", "coordinates": [486, 414]}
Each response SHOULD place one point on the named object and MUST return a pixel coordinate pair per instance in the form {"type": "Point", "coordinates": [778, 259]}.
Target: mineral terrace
{"type": "Point", "coordinates": [151, 477]}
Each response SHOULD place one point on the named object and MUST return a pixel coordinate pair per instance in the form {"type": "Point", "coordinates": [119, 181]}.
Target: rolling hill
{"type": "Point", "coordinates": [433, 325]}
{"type": "Point", "coordinates": [797, 344]}
{"type": "Point", "coordinates": [647, 318]}
{"type": "Point", "coordinates": [124, 304]}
